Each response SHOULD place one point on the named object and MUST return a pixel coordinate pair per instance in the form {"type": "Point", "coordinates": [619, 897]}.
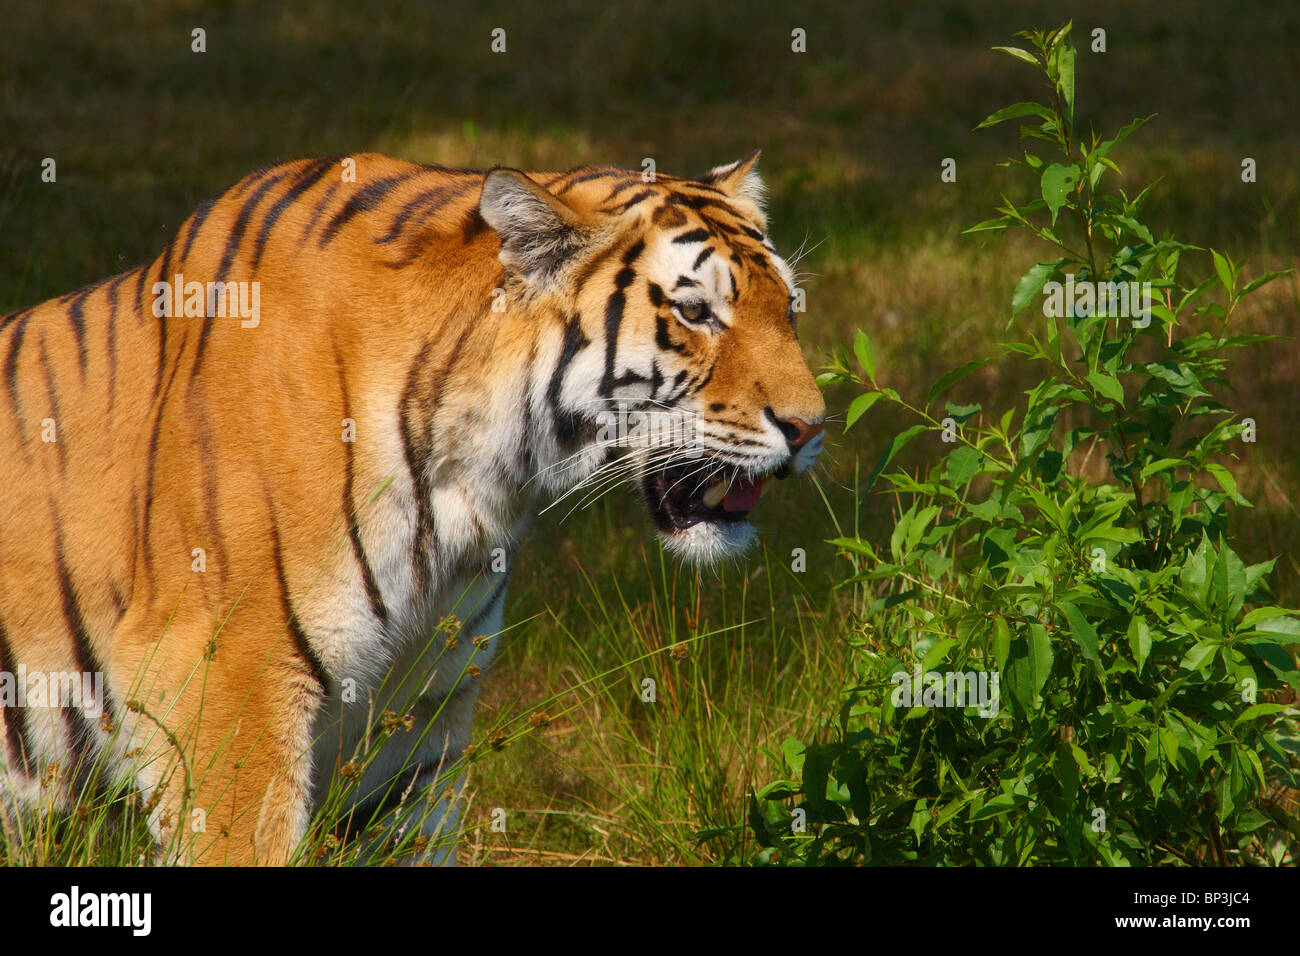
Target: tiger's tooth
{"type": "Point", "coordinates": [714, 494]}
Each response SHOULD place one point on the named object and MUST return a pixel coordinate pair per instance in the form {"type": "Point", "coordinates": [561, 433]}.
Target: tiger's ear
{"type": "Point", "coordinates": [539, 232]}
{"type": "Point", "coordinates": [739, 180]}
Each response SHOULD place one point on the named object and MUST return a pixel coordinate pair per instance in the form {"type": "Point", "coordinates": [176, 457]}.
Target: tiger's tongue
{"type": "Point", "coordinates": [742, 495]}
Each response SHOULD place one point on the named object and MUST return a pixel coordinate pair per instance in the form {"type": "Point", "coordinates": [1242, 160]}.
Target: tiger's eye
{"type": "Point", "coordinates": [693, 311]}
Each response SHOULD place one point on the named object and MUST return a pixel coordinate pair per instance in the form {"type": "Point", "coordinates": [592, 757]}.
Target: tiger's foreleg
{"type": "Point", "coordinates": [221, 735]}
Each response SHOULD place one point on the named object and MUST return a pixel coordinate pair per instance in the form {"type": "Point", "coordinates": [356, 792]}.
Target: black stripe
{"type": "Point", "coordinates": [662, 338]}
{"type": "Point", "coordinates": [316, 212]}
{"type": "Point", "coordinates": [300, 642]}
{"type": "Point", "coordinates": [162, 324]}
{"type": "Point", "coordinates": [84, 653]}
{"type": "Point", "coordinates": [656, 378]}
{"type": "Point", "coordinates": [525, 457]}
{"type": "Point", "coordinates": [233, 242]}
{"type": "Point", "coordinates": [164, 272]}
{"type": "Point", "coordinates": [77, 317]}
{"type": "Point", "coordinates": [566, 423]}
{"type": "Point", "coordinates": [434, 199]}
{"type": "Point", "coordinates": [626, 184]}
{"type": "Point", "coordinates": [152, 465]}
{"type": "Point", "coordinates": [373, 594]}
{"type": "Point", "coordinates": [471, 227]}
{"type": "Point", "coordinates": [704, 381]}
{"type": "Point", "coordinates": [416, 449]}
{"type": "Point", "coordinates": [111, 346]}
{"type": "Point", "coordinates": [241, 225]}
{"type": "Point", "coordinates": [633, 253]}
{"type": "Point", "coordinates": [366, 198]}
{"type": "Point", "coordinates": [604, 172]}
{"type": "Point", "coordinates": [139, 292]}
{"type": "Point", "coordinates": [702, 258]}
{"type": "Point", "coordinates": [82, 739]}
{"type": "Point", "coordinates": [614, 315]}
{"type": "Point", "coordinates": [17, 733]}
{"type": "Point", "coordinates": [631, 201]}
{"type": "Point", "coordinates": [11, 369]}
{"type": "Point", "coordinates": [197, 412]}
{"type": "Point", "coordinates": [196, 223]}
{"type": "Point", "coordinates": [313, 174]}
{"type": "Point", "coordinates": [53, 394]}
{"type": "Point", "coordinates": [419, 448]}
{"type": "Point", "coordinates": [14, 317]}
{"type": "Point", "coordinates": [699, 202]}
{"type": "Point", "coordinates": [695, 235]}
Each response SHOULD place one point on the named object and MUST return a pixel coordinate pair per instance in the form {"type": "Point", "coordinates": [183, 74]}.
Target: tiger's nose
{"type": "Point", "coordinates": [797, 431]}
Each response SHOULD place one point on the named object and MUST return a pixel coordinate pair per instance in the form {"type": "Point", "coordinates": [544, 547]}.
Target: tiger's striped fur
{"type": "Point", "coordinates": [202, 533]}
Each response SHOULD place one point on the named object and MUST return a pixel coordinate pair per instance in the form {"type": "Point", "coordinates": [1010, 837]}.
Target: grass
{"type": "Point", "coordinates": [853, 132]}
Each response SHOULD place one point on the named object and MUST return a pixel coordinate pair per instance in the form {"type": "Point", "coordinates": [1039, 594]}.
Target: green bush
{"type": "Point", "coordinates": [1075, 553]}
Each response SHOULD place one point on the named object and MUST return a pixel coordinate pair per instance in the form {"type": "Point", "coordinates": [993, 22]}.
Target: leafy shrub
{"type": "Point", "coordinates": [1145, 683]}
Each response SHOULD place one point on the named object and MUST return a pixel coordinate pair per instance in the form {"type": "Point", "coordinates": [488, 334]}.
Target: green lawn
{"type": "Point", "coordinates": [853, 133]}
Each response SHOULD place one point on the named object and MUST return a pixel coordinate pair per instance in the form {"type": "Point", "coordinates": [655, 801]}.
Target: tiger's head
{"type": "Point", "coordinates": [674, 364]}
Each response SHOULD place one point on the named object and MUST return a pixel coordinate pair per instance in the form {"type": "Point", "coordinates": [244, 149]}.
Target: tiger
{"type": "Point", "coordinates": [276, 478]}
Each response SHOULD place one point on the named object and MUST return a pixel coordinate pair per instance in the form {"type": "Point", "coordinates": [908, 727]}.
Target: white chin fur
{"type": "Point", "coordinates": [709, 542]}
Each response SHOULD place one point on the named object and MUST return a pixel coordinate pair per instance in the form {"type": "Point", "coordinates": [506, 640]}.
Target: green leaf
{"type": "Point", "coordinates": [1153, 764]}
{"type": "Point", "coordinates": [1065, 83]}
{"type": "Point", "coordinates": [1019, 54]}
{"type": "Point", "coordinates": [1223, 267]}
{"type": "Point", "coordinates": [1264, 613]}
{"type": "Point", "coordinates": [952, 376]}
{"type": "Point", "coordinates": [1124, 133]}
{"type": "Point", "coordinates": [1226, 481]}
{"type": "Point", "coordinates": [1159, 465]}
{"type": "Point", "coordinates": [866, 358]}
{"type": "Point", "coordinates": [1057, 183]}
{"type": "Point", "coordinates": [1015, 111]}
{"type": "Point", "coordinates": [1201, 653]}
{"type": "Point", "coordinates": [1281, 630]}
{"type": "Point", "coordinates": [988, 225]}
{"type": "Point", "coordinates": [792, 748]}
{"type": "Point", "coordinates": [1139, 639]}
{"type": "Point", "coordinates": [963, 465]}
{"type": "Point", "coordinates": [1031, 283]}
{"type": "Point", "coordinates": [891, 450]}
{"type": "Point", "coordinates": [1001, 641]}
{"type": "Point", "coordinates": [859, 406]}
{"type": "Point", "coordinates": [1084, 634]}
{"type": "Point", "coordinates": [1267, 277]}
{"type": "Point", "coordinates": [1040, 656]}
{"type": "Point", "coordinates": [1260, 710]}
{"type": "Point", "coordinates": [936, 653]}
{"type": "Point", "coordinates": [1107, 385]}
{"type": "Point", "coordinates": [1002, 803]}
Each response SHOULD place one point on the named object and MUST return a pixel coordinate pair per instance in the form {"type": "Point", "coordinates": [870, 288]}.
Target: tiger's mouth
{"type": "Point", "coordinates": [688, 495]}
